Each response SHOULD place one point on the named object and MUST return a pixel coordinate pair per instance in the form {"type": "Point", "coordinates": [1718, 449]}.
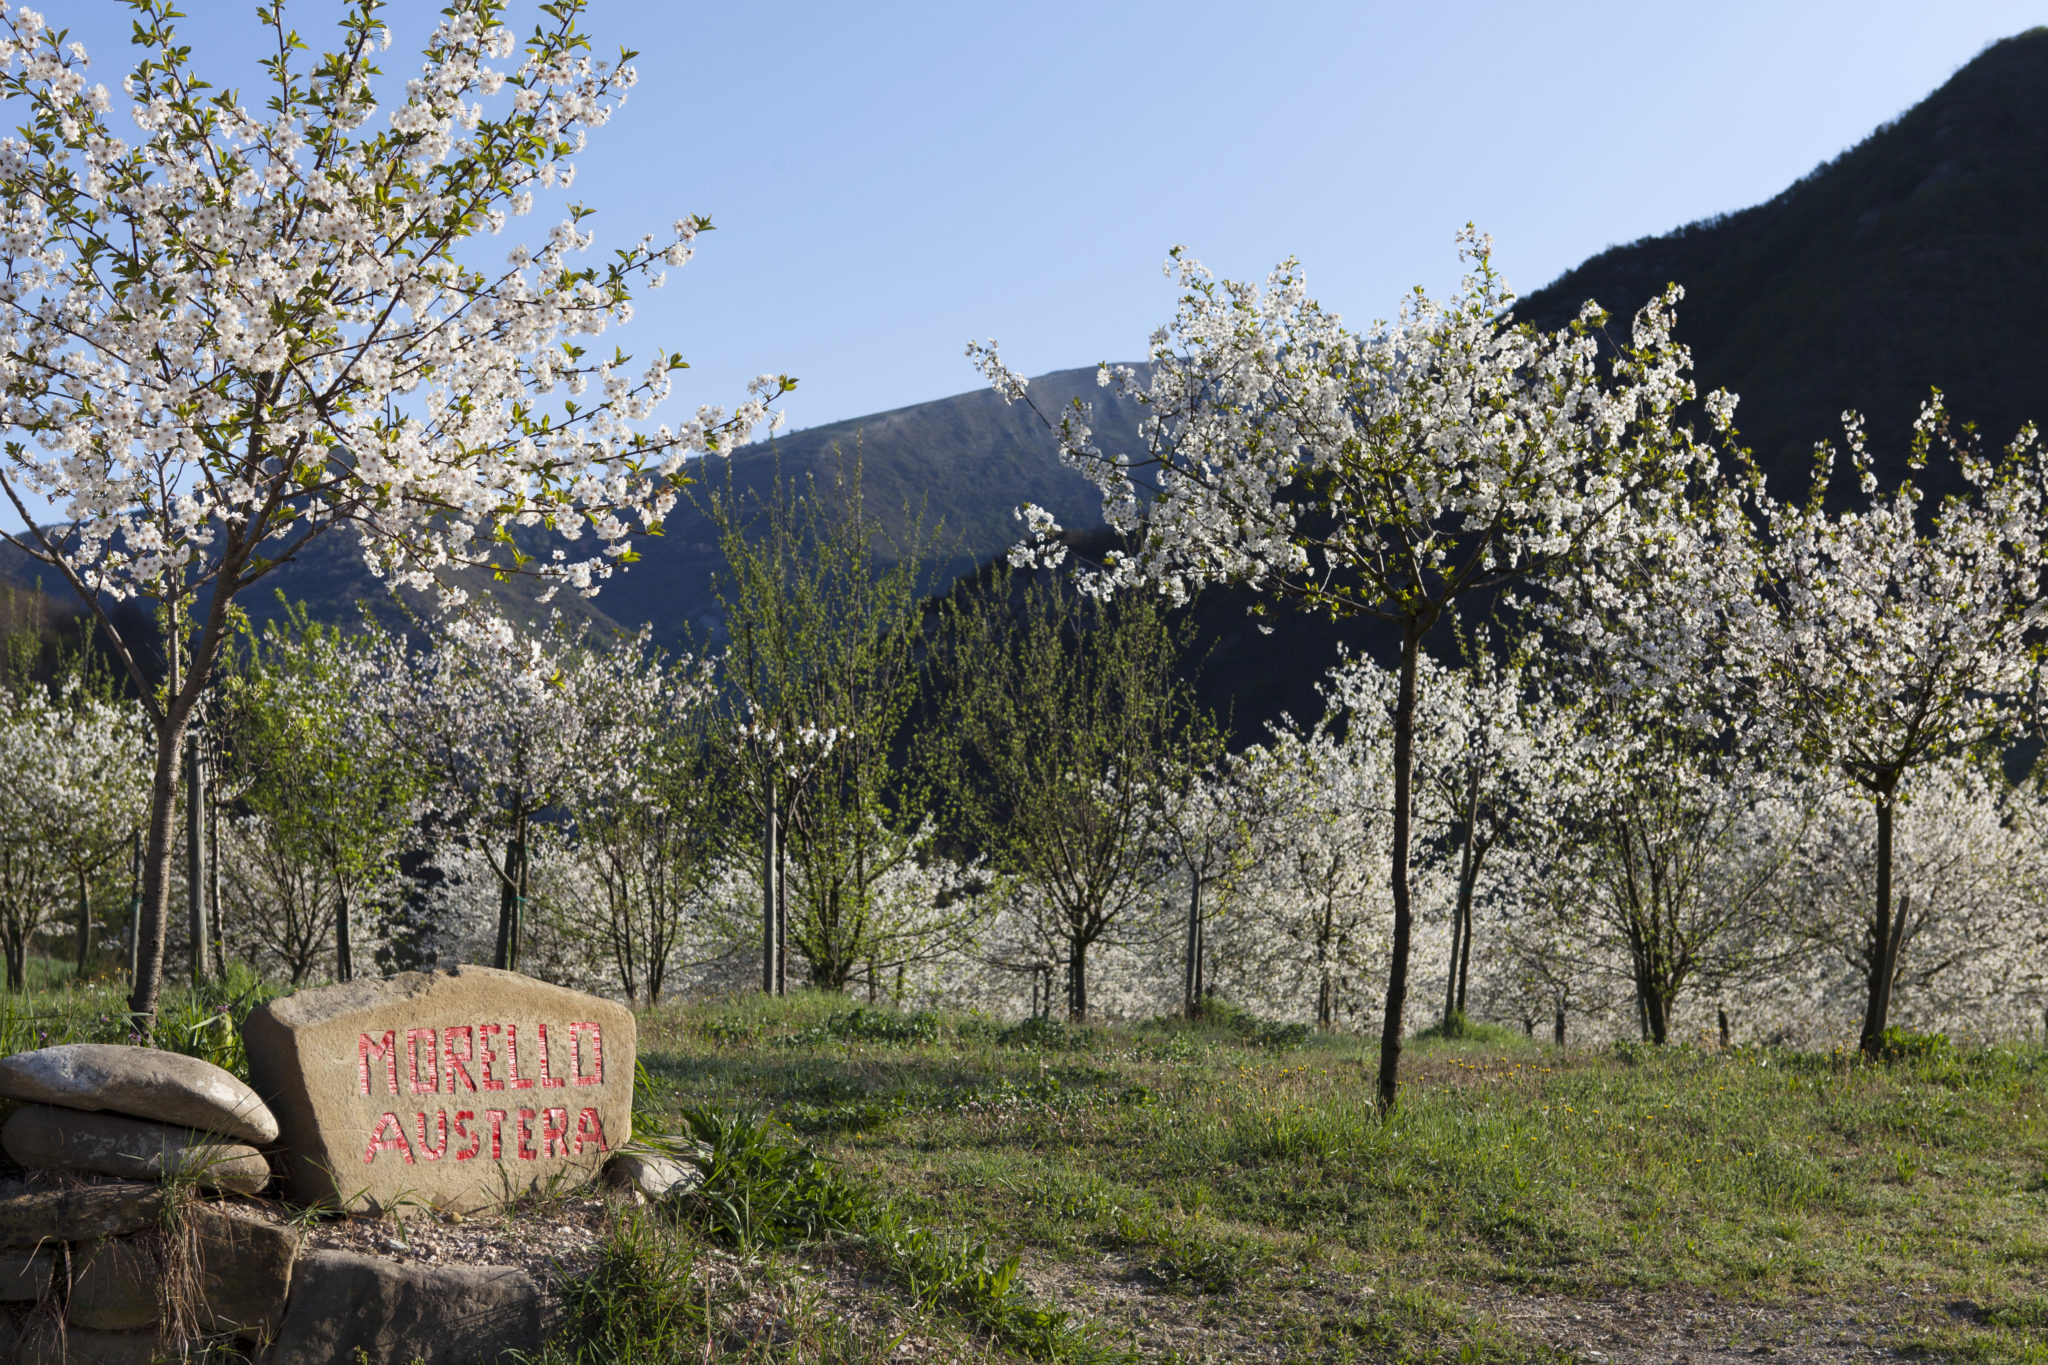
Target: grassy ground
{"type": "Point", "coordinates": [1226, 1192]}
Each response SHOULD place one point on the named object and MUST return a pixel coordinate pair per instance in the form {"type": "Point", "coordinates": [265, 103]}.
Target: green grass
{"type": "Point", "coordinates": [205, 1022]}
{"type": "Point", "coordinates": [1213, 1188]}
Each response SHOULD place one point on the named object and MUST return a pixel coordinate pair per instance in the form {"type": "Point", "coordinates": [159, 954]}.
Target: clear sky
{"type": "Point", "coordinates": [890, 179]}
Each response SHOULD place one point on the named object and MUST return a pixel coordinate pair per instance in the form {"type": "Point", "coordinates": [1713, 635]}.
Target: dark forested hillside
{"type": "Point", "coordinates": [1918, 258]}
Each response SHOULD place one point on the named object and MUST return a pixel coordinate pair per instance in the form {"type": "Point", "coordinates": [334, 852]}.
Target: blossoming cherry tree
{"type": "Point", "coordinates": [249, 323]}
{"type": "Point", "coordinates": [1391, 474]}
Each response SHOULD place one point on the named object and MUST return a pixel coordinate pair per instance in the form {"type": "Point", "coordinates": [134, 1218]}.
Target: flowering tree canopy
{"type": "Point", "coordinates": [1887, 640]}
{"type": "Point", "coordinates": [242, 327]}
{"type": "Point", "coordinates": [1389, 474]}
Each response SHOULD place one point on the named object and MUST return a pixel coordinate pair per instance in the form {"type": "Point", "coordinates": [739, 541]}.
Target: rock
{"type": "Point", "coordinates": [45, 1344]}
{"type": "Point", "coordinates": [80, 1214]}
{"type": "Point", "coordinates": [396, 1313]}
{"type": "Point", "coordinates": [460, 1089]}
{"type": "Point", "coordinates": [146, 1082]}
{"type": "Point", "coordinates": [652, 1174]}
{"type": "Point", "coordinates": [114, 1285]}
{"type": "Point", "coordinates": [24, 1277]}
{"type": "Point", "coordinates": [39, 1135]}
{"type": "Point", "coordinates": [243, 1268]}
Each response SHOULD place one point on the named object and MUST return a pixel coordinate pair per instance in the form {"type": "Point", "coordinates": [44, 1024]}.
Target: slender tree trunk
{"type": "Point", "coordinates": [84, 928]}
{"type": "Point", "coordinates": [1465, 952]}
{"type": "Point", "coordinates": [501, 952]}
{"type": "Point", "coordinates": [1191, 984]}
{"type": "Point", "coordinates": [195, 857]}
{"type": "Point", "coordinates": [344, 958]}
{"type": "Point", "coordinates": [1658, 1011]}
{"type": "Point", "coordinates": [512, 901]}
{"type": "Point", "coordinates": [781, 914]}
{"type": "Point", "coordinates": [769, 834]}
{"type": "Point", "coordinates": [1557, 1029]}
{"type": "Point", "coordinates": [147, 986]}
{"type": "Point", "coordinates": [134, 903]}
{"type": "Point", "coordinates": [1884, 937]}
{"type": "Point", "coordinates": [217, 939]}
{"type": "Point", "coordinates": [521, 889]}
{"type": "Point", "coordinates": [1326, 1004]}
{"type": "Point", "coordinates": [1077, 980]}
{"type": "Point", "coordinates": [1460, 912]}
{"type": "Point", "coordinates": [1404, 919]}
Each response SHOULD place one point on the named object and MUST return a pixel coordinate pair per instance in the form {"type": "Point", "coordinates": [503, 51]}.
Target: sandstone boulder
{"type": "Point", "coordinates": [81, 1214]}
{"type": "Point", "coordinates": [242, 1269]}
{"type": "Point", "coordinates": [145, 1082]}
{"type": "Point", "coordinates": [460, 1089]}
{"type": "Point", "coordinates": [343, 1303]}
{"type": "Point", "coordinates": [115, 1284]}
{"type": "Point", "coordinates": [41, 1136]}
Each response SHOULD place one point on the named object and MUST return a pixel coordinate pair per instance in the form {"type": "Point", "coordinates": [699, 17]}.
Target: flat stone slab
{"type": "Point", "coordinates": [43, 1344]}
{"type": "Point", "coordinates": [460, 1089]}
{"type": "Point", "coordinates": [144, 1082]}
{"type": "Point", "coordinates": [42, 1136]}
{"type": "Point", "coordinates": [24, 1276]}
{"type": "Point", "coordinates": [80, 1214]}
{"type": "Point", "coordinates": [114, 1285]}
{"type": "Point", "coordinates": [243, 1266]}
{"type": "Point", "coordinates": [343, 1302]}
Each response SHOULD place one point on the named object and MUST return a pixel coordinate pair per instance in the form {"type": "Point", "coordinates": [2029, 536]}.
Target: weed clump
{"type": "Point", "coordinates": [1041, 1031]}
{"type": "Point", "coordinates": [1902, 1045]}
{"type": "Point", "coordinates": [761, 1188]}
{"type": "Point", "coordinates": [1250, 1029]}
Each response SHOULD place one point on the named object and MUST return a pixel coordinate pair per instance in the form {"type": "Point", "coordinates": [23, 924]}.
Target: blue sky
{"type": "Point", "coordinates": [890, 179]}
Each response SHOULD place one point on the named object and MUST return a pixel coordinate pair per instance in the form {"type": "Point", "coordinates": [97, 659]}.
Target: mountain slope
{"type": "Point", "coordinates": [964, 463]}
{"type": "Point", "coordinates": [1918, 258]}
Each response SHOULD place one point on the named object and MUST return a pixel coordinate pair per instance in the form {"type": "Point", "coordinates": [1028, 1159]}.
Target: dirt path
{"type": "Point", "coordinates": [1335, 1318]}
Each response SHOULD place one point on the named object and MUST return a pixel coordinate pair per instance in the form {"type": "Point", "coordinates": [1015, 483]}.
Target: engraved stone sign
{"type": "Point", "coordinates": [460, 1089]}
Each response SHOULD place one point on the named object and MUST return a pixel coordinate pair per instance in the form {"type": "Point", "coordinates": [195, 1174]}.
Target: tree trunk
{"type": "Point", "coordinates": [1191, 984]}
{"type": "Point", "coordinates": [147, 986]}
{"type": "Point", "coordinates": [134, 903]}
{"type": "Point", "coordinates": [1657, 1010]}
{"type": "Point", "coordinates": [510, 897]}
{"type": "Point", "coordinates": [1884, 935]}
{"type": "Point", "coordinates": [1077, 981]}
{"type": "Point", "coordinates": [781, 914]}
{"type": "Point", "coordinates": [771, 864]}
{"type": "Point", "coordinates": [195, 857]}
{"type": "Point", "coordinates": [1465, 953]}
{"type": "Point", "coordinates": [1461, 911]}
{"type": "Point", "coordinates": [1404, 771]}
{"type": "Point", "coordinates": [1557, 1031]}
{"type": "Point", "coordinates": [344, 959]}
{"type": "Point", "coordinates": [217, 939]}
{"type": "Point", "coordinates": [84, 928]}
